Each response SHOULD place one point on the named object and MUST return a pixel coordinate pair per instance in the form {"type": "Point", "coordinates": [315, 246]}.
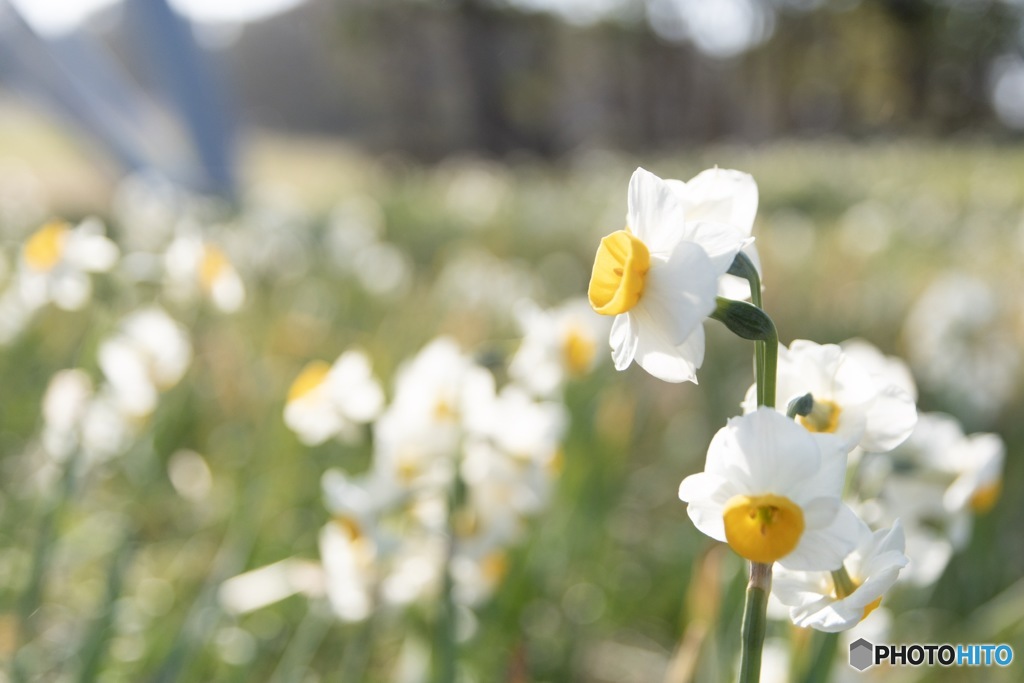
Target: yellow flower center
{"type": "Point", "coordinates": [310, 378]}
{"type": "Point", "coordinates": [213, 265]}
{"type": "Point", "coordinates": [620, 268]}
{"type": "Point", "coordinates": [444, 411]}
{"type": "Point", "coordinates": [349, 526]}
{"type": "Point", "coordinates": [578, 351]}
{"type": "Point", "coordinates": [824, 417]}
{"type": "Point", "coordinates": [45, 247]}
{"type": "Point", "coordinates": [985, 498]}
{"type": "Point", "coordinates": [763, 528]}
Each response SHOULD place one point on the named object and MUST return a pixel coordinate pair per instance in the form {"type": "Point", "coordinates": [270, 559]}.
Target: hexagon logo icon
{"type": "Point", "coordinates": [862, 654]}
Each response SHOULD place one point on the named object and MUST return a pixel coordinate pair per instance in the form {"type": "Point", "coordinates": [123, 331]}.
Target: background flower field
{"type": "Point", "coordinates": [340, 249]}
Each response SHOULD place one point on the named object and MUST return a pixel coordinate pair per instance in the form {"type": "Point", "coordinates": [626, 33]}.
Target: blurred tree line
{"type": "Point", "coordinates": [429, 77]}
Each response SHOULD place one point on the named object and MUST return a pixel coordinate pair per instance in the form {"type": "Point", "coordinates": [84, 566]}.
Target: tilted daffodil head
{"type": "Point", "coordinates": [659, 277]}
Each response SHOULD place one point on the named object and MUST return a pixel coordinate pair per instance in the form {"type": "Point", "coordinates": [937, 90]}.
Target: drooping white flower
{"type": "Point", "coordinates": [327, 401]}
{"type": "Point", "coordinates": [56, 261]}
{"type": "Point", "coordinates": [726, 197]}
{"type": "Point", "coordinates": [817, 600]}
{"type": "Point", "coordinates": [558, 344]}
{"type": "Point", "coordinates": [865, 406]}
{"type": "Point", "coordinates": [659, 278]}
{"type": "Point", "coordinates": [771, 490]}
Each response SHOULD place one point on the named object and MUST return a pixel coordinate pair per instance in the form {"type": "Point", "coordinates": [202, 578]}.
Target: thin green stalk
{"type": "Point", "coordinates": [755, 621]}
{"type": "Point", "coordinates": [743, 267]}
{"type": "Point", "coordinates": [303, 646]}
{"type": "Point", "coordinates": [823, 654]}
{"type": "Point", "coordinates": [750, 322]}
{"type": "Point", "coordinates": [446, 650]}
{"type": "Point", "coordinates": [46, 538]}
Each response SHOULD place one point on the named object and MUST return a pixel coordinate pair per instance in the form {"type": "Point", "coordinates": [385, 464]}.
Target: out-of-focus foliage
{"type": "Point", "coordinates": [338, 249]}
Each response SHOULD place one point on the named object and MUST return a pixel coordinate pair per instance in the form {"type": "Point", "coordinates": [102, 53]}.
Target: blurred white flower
{"type": "Point", "coordinates": [439, 395]}
{"type": "Point", "coordinates": [327, 401]}
{"type": "Point", "coordinates": [659, 278]}
{"type": "Point", "coordinates": [866, 406]}
{"type": "Point", "coordinates": [272, 583]}
{"type": "Point", "coordinates": [149, 354]}
{"type": "Point", "coordinates": [348, 559]}
{"type": "Point", "coordinates": [558, 344]}
{"type": "Point", "coordinates": [818, 600]}
{"type": "Point", "coordinates": [957, 344]}
{"type": "Point", "coordinates": [771, 490]}
{"type": "Point", "coordinates": [196, 266]}
{"type": "Point", "coordinates": [65, 403]}
{"type": "Point", "coordinates": [933, 482]}
{"type": "Point", "coordinates": [56, 261]}
{"type": "Point", "coordinates": [77, 418]}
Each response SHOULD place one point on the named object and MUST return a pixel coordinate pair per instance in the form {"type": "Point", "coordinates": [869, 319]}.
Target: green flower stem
{"type": "Point", "coordinates": [743, 267]}
{"type": "Point", "coordinates": [755, 621]}
{"type": "Point", "coordinates": [446, 652]}
{"type": "Point", "coordinates": [749, 321]}
{"type": "Point", "coordinates": [822, 655]}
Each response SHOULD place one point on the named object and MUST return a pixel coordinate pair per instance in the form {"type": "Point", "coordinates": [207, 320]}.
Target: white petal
{"type": "Point", "coordinates": [825, 549]}
{"type": "Point", "coordinates": [654, 213]}
{"type": "Point", "coordinates": [890, 420]}
{"type": "Point", "coordinates": [670, 362]}
{"type": "Point", "coordinates": [779, 454]}
{"type": "Point", "coordinates": [827, 482]}
{"type": "Point", "coordinates": [679, 292]}
{"type": "Point", "coordinates": [707, 495]}
{"type": "Point", "coordinates": [721, 195]}
{"type": "Point", "coordinates": [624, 340]}
{"type": "Point", "coordinates": [720, 241]}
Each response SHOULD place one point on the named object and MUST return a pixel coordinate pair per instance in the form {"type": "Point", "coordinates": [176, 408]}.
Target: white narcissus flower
{"type": "Point", "coordinates": [196, 265]}
{"type": "Point", "coordinates": [726, 197]}
{"type": "Point", "coordinates": [818, 600]}
{"type": "Point", "coordinates": [65, 403]}
{"type": "Point", "coordinates": [934, 482]}
{"type": "Point", "coordinates": [149, 354]}
{"type": "Point", "coordinates": [350, 569]}
{"type": "Point", "coordinates": [440, 395]}
{"type": "Point", "coordinates": [659, 278]}
{"type": "Point", "coordinates": [771, 490]}
{"type": "Point", "coordinates": [56, 261]}
{"type": "Point", "coordinates": [971, 466]}
{"type": "Point", "coordinates": [865, 406]}
{"type": "Point", "coordinates": [558, 344]}
{"type": "Point", "coordinates": [327, 401]}
{"type": "Point", "coordinates": [959, 343]}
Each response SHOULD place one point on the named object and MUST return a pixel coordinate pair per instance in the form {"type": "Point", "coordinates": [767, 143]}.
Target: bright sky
{"type": "Point", "coordinates": [60, 16]}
